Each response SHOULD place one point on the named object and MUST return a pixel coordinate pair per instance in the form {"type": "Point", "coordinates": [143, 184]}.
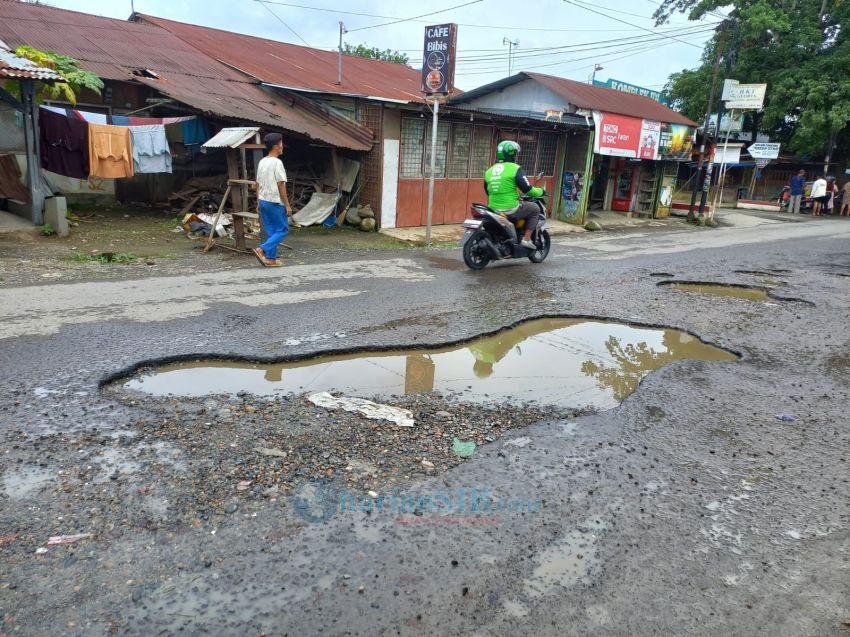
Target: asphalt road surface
{"type": "Point", "coordinates": [712, 500]}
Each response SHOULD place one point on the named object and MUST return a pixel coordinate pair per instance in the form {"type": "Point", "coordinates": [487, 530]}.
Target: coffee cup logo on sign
{"type": "Point", "coordinates": [434, 80]}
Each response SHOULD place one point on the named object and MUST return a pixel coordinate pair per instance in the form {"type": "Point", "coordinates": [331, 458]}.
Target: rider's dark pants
{"type": "Point", "coordinates": [528, 211]}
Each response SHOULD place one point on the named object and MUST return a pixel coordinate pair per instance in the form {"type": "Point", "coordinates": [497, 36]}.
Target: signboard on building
{"type": "Point", "coordinates": [745, 97]}
{"type": "Point", "coordinates": [438, 59]}
{"type": "Point", "coordinates": [763, 150]}
{"type": "Point", "coordinates": [727, 154]}
{"type": "Point", "coordinates": [727, 123]}
{"type": "Point", "coordinates": [624, 136]}
{"type": "Point", "coordinates": [625, 87]}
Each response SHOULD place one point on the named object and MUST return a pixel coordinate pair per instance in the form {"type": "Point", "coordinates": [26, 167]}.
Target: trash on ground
{"type": "Point", "coordinates": [374, 411]}
{"type": "Point", "coordinates": [319, 208]}
{"type": "Point", "coordinates": [463, 448]}
{"type": "Point", "coordinates": [66, 539]}
{"type": "Point", "coordinates": [785, 417]}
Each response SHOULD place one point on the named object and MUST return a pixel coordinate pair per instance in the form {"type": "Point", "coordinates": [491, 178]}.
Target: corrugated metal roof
{"type": "Point", "coordinates": [230, 137]}
{"type": "Point", "coordinates": [18, 68]}
{"type": "Point", "coordinates": [594, 98]}
{"type": "Point", "coordinates": [566, 119]}
{"type": "Point", "coordinates": [117, 50]}
{"type": "Point", "coordinates": [299, 67]}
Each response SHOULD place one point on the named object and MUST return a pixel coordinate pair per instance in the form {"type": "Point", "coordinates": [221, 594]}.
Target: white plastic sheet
{"type": "Point", "coordinates": [374, 411]}
{"type": "Point", "coordinates": [317, 209]}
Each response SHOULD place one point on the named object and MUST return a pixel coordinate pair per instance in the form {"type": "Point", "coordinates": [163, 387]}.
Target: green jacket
{"type": "Point", "coordinates": [503, 182]}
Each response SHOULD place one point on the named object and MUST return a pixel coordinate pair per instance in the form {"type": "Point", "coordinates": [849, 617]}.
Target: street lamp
{"type": "Point", "coordinates": [596, 67]}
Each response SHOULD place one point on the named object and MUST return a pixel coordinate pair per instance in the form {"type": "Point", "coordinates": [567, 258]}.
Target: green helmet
{"type": "Point", "coordinates": [507, 150]}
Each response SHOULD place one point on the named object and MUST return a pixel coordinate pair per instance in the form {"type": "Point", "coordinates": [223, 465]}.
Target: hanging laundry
{"type": "Point", "coordinates": [110, 151]}
{"type": "Point", "coordinates": [64, 144]}
{"type": "Point", "coordinates": [150, 149]}
{"type": "Point", "coordinates": [119, 120]}
{"type": "Point", "coordinates": [195, 132]}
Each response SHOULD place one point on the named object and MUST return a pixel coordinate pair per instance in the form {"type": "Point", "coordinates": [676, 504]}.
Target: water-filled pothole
{"type": "Point", "coordinates": [748, 292]}
{"type": "Point", "coordinates": [555, 361]}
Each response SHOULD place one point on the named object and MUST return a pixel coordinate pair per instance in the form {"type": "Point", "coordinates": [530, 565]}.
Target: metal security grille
{"type": "Point", "coordinates": [547, 149]}
{"type": "Point", "coordinates": [460, 149]}
{"type": "Point", "coordinates": [412, 147]}
{"type": "Point", "coordinates": [442, 150]}
{"type": "Point", "coordinates": [371, 171]}
{"type": "Point", "coordinates": [482, 151]}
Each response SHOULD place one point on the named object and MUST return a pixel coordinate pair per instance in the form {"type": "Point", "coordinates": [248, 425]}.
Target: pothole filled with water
{"type": "Point", "coordinates": [556, 361]}
{"type": "Point", "coordinates": [748, 292]}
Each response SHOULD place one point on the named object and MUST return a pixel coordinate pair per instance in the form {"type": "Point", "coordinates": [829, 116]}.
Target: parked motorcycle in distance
{"type": "Point", "coordinates": [489, 236]}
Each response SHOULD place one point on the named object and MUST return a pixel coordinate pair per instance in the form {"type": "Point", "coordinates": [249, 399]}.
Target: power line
{"type": "Point", "coordinates": [384, 24]}
{"type": "Point", "coordinates": [279, 19]}
{"type": "Point", "coordinates": [610, 17]}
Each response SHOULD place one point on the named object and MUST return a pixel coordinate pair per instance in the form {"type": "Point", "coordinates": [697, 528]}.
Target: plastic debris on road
{"type": "Point", "coordinates": [374, 411]}
{"type": "Point", "coordinates": [785, 417]}
{"type": "Point", "coordinates": [66, 539]}
{"type": "Point", "coordinates": [463, 448]}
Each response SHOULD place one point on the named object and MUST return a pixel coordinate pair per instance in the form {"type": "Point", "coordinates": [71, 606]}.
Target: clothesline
{"type": "Point", "coordinates": [116, 120]}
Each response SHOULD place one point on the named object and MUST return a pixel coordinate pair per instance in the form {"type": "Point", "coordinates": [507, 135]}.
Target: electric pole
{"type": "Point", "coordinates": [342, 30]}
{"type": "Point", "coordinates": [510, 44]}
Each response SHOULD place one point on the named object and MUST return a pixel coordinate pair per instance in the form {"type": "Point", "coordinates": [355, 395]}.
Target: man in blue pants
{"type": "Point", "coordinates": [274, 202]}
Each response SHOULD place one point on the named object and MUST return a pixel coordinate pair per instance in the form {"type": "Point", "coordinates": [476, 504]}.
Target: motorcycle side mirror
{"type": "Point", "coordinates": [539, 176]}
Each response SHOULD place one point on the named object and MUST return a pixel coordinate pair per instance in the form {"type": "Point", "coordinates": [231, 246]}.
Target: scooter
{"type": "Point", "coordinates": [489, 236]}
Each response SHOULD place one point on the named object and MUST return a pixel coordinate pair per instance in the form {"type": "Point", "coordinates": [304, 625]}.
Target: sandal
{"type": "Point", "coordinates": [258, 252]}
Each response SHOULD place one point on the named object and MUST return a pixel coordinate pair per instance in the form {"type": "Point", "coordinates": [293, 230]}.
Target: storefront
{"type": "Point", "coordinates": [635, 163]}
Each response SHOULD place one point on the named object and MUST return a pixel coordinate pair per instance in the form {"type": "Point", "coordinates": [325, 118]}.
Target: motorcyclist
{"type": "Point", "coordinates": [503, 182]}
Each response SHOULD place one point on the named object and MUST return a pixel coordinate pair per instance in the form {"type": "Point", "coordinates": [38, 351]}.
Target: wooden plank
{"type": "Point", "coordinates": [189, 206]}
{"type": "Point", "coordinates": [211, 238]}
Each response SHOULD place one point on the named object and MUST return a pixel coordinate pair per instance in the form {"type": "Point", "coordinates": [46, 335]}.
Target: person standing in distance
{"type": "Point", "coordinates": [798, 183]}
{"type": "Point", "coordinates": [273, 201]}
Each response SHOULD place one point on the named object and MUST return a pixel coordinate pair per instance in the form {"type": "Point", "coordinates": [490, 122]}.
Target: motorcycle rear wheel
{"type": "Point", "coordinates": [475, 254]}
{"type": "Point", "coordinates": [543, 245]}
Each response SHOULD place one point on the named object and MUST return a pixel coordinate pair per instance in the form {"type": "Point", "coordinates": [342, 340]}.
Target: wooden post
{"type": "Point", "coordinates": [211, 238]}
{"type": "Point", "coordinates": [236, 198]}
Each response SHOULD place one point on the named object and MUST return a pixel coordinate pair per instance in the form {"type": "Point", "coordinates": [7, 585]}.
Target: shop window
{"type": "Point", "coordinates": [412, 149]}
{"type": "Point", "coordinates": [460, 148]}
{"type": "Point", "coordinates": [442, 150]}
{"type": "Point", "coordinates": [482, 151]}
{"type": "Point", "coordinates": [547, 149]}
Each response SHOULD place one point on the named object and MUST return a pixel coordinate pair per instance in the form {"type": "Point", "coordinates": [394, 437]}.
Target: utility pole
{"type": "Point", "coordinates": [510, 44]}
{"type": "Point", "coordinates": [700, 177]}
{"type": "Point", "coordinates": [342, 30]}
{"type": "Point", "coordinates": [730, 67]}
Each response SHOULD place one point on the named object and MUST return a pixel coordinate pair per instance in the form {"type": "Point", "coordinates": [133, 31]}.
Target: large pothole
{"type": "Point", "coordinates": [564, 362]}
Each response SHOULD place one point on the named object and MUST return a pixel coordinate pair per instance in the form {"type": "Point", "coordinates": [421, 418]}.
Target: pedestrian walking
{"type": "Point", "coordinates": [819, 196]}
{"type": "Point", "coordinates": [831, 191]}
{"type": "Point", "coordinates": [845, 199]}
{"type": "Point", "coordinates": [798, 184]}
{"type": "Point", "coordinates": [273, 201]}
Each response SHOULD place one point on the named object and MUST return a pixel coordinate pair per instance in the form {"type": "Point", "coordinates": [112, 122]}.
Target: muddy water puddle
{"type": "Point", "coordinates": [562, 362]}
{"type": "Point", "coordinates": [717, 289]}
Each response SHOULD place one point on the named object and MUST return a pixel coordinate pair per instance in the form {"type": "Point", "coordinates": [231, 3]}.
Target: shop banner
{"type": "Point", "coordinates": [572, 188]}
{"type": "Point", "coordinates": [624, 136]}
{"type": "Point", "coordinates": [616, 135]}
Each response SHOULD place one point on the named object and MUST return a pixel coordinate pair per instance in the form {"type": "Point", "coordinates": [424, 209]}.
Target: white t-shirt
{"type": "Point", "coordinates": [819, 188]}
{"type": "Point", "coordinates": [270, 171]}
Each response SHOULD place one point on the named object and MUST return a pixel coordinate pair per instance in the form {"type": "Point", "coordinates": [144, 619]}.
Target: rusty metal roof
{"type": "Point", "coordinates": [585, 96]}
{"type": "Point", "coordinates": [299, 67]}
{"type": "Point", "coordinates": [230, 137]}
{"type": "Point", "coordinates": [122, 51]}
{"type": "Point", "coordinates": [18, 68]}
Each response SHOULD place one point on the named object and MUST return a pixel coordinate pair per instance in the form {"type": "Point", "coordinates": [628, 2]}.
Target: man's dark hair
{"type": "Point", "coordinates": [271, 140]}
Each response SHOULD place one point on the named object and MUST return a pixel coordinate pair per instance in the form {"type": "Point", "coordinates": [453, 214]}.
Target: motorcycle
{"type": "Point", "coordinates": [489, 236]}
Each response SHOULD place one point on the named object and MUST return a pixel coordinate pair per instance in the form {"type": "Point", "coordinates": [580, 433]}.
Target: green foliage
{"type": "Point", "coordinates": [104, 257]}
{"type": "Point", "coordinates": [801, 54]}
{"type": "Point", "coordinates": [374, 53]}
{"type": "Point", "coordinates": [76, 79]}
{"type": "Point", "coordinates": [47, 230]}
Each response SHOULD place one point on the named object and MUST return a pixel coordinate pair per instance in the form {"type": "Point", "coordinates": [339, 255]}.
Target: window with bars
{"type": "Point", "coordinates": [547, 150]}
{"type": "Point", "coordinates": [460, 147]}
{"type": "Point", "coordinates": [528, 150]}
{"type": "Point", "coordinates": [412, 147]}
{"type": "Point", "coordinates": [482, 151]}
{"type": "Point", "coordinates": [442, 150]}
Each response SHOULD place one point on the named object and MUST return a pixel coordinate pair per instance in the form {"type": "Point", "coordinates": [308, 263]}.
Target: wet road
{"type": "Point", "coordinates": [689, 508]}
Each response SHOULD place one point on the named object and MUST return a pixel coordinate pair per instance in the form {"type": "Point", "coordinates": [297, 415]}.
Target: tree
{"type": "Point", "coordinates": [76, 79]}
{"type": "Point", "coordinates": [799, 48]}
{"type": "Point", "coordinates": [374, 53]}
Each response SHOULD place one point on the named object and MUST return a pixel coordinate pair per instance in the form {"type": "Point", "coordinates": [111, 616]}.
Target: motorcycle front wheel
{"type": "Point", "coordinates": [475, 253]}
{"type": "Point", "coordinates": [543, 244]}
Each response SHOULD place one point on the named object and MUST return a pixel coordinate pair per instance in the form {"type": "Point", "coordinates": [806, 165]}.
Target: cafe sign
{"type": "Point", "coordinates": [438, 59]}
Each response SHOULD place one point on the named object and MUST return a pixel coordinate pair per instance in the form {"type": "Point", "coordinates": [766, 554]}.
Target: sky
{"type": "Point", "coordinates": [560, 37]}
